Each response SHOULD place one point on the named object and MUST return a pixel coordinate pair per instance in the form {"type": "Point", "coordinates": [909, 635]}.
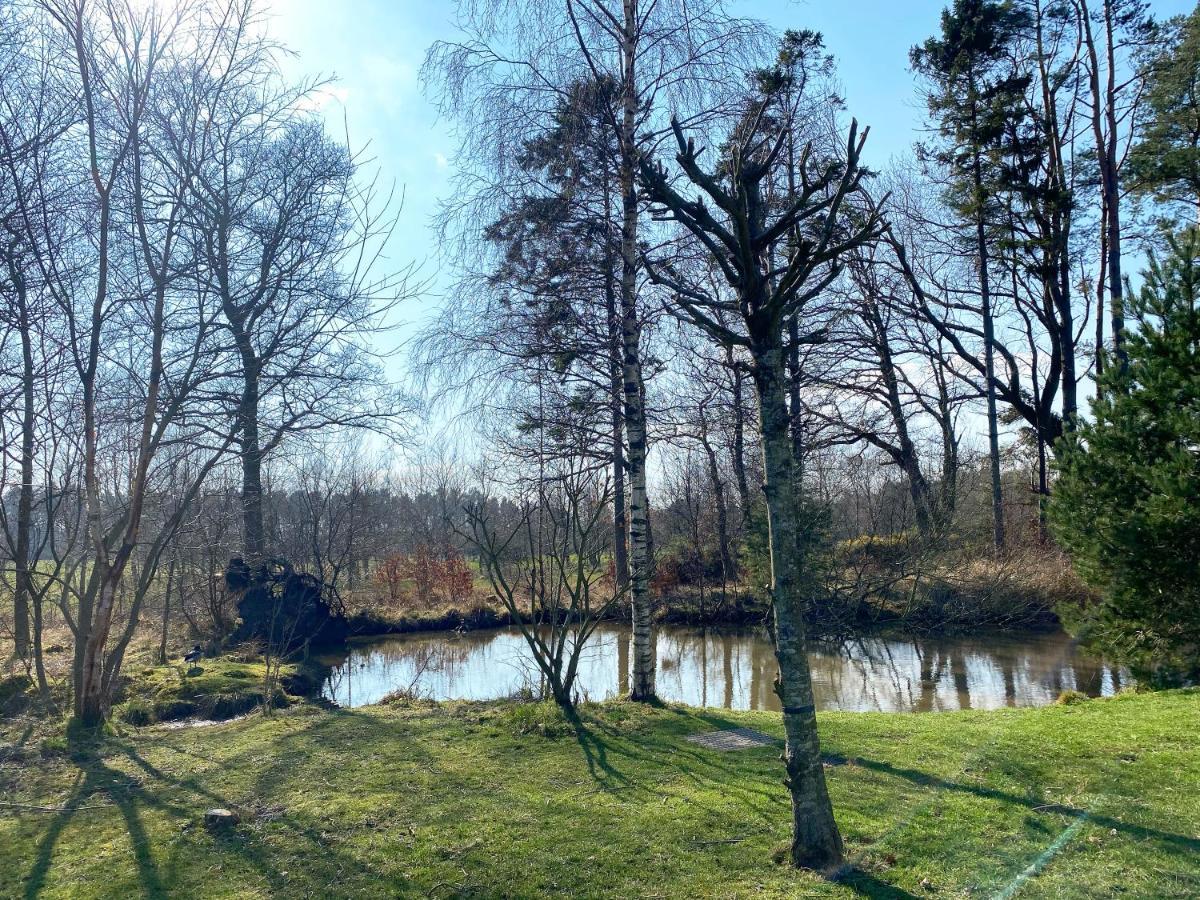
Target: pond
{"type": "Point", "coordinates": [735, 669]}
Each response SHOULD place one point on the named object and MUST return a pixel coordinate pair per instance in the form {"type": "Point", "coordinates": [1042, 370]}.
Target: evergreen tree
{"type": "Point", "coordinates": [1165, 162]}
{"type": "Point", "coordinates": [1127, 502]}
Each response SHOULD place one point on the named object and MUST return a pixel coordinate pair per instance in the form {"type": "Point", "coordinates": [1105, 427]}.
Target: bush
{"type": "Point", "coordinates": [434, 575]}
{"type": "Point", "coordinates": [390, 576]}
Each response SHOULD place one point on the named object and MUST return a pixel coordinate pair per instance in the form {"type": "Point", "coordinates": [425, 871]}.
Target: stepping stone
{"type": "Point", "coordinates": [732, 739]}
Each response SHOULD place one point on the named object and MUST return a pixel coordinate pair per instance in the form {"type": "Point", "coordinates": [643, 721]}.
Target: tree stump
{"type": "Point", "coordinates": [221, 818]}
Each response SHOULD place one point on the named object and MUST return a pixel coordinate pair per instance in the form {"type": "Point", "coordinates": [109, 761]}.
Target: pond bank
{"type": "Point", "coordinates": [497, 799]}
{"type": "Point", "coordinates": [951, 593]}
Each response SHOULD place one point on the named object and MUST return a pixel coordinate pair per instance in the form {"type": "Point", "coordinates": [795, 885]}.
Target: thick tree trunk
{"type": "Point", "coordinates": [793, 372]}
{"type": "Point", "coordinates": [253, 539]}
{"type": "Point", "coordinates": [816, 842]}
{"type": "Point", "coordinates": [641, 562]}
{"type": "Point", "coordinates": [91, 698]}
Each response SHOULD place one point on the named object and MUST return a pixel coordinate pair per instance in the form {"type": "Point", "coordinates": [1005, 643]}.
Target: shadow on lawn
{"type": "Point", "coordinates": [132, 796]}
{"type": "Point", "coordinates": [599, 741]}
{"type": "Point", "coordinates": [924, 779]}
{"type": "Point", "coordinates": [604, 745]}
{"type": "Point", "coordinates": [96, 778]}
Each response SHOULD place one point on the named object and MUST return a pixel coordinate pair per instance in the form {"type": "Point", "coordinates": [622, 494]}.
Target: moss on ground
{"type": "Point", "coordinates": [211, 689]}
{"type": "Point", "coordinates": [1086, 799]}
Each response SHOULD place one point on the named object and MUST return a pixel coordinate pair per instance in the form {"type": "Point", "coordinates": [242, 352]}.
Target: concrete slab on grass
{"type": "Point", "coordinates": [732, 739]}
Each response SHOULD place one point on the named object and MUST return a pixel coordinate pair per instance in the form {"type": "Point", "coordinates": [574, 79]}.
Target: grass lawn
{"type": "Point", "coordinates": [1093, 799]}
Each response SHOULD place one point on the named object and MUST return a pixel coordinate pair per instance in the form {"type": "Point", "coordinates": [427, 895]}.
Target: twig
{"type": "Point", "coordinates": [736, 840]}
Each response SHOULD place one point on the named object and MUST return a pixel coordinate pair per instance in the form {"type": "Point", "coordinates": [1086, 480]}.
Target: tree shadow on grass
{"type": "Point", "coordinates": [595, 753]}
{"type": "Point", "coordinates": [130, 796]}
{"type": "Point", "coordinates": [96, 778]}
{"type": "Point", "coordinates": [641, 763]}
{"type": "Point", "coordinates": [867, 885]}
{"type": "Point", "coordinates": [1176, 842]}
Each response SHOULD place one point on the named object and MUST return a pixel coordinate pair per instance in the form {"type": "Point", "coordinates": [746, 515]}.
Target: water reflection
{"type": "Point", "coordinates": [736, 669]}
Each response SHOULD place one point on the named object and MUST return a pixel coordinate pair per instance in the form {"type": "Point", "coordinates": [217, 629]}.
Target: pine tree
{"type": "Point", "coordinates": [1127, 502]}
{"type": "Point", "coordinates": [1165, 162]}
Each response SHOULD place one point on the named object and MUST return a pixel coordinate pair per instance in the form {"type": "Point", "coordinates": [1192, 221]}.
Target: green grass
{"type": "Point", "coordinates": [496, 800]}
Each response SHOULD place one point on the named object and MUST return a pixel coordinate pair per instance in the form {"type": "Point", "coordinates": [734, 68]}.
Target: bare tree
{"type": "Point", "coordinates": [829, 216]}
{"type": "Point", "coordinates": [1109, 36]}
{"type": "Point", "coordinates": [288, 239]}
{"type": "Point", "coordinates": [550, 570]}
{"type": "Point", "coordinates": [141, 345]}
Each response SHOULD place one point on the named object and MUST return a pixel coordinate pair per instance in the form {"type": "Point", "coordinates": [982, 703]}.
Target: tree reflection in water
{"type": "Point", "coordinates": [736, 669]}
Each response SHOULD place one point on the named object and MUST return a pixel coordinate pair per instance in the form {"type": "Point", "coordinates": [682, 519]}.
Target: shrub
{"type": "Point", "coordinates": [390, 576]}
{"type": "Point", "coordinates": [434, 575]}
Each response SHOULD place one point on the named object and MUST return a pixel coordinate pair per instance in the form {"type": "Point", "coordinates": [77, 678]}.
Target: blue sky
{"type": "Point", "coordinates": [375, 48]}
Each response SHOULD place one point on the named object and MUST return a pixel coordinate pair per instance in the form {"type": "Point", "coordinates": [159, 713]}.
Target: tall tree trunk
{"type": "Point", "coordinates": [1059, 225]}
{"type": "Point", "coordinates": [816, 842]}
{"type": "Point", "coordinates": [641, 562]}
{"type": "Point", "coordinates": [39, 659]}
{"type": "Point", "coordinates": [616, 373]}
{"type": "Point", "coordinates": [166, 617]}
{"type": "Point", "coordinates": [989, 352]}
{"type": "Point", "coordinates": [728, 567]}
{"type": "Point", "coordinates": [739, 437]}
{"type": "Point", "coordinates": [1104, 132]}
{"type": "Point", "coordinates": [24, 579]}
{"type": "Point", "coordinates": [91, 700]}
{"type": "Point", "coordinates": [948, 492]}
{"type": "Point", "coordinates": [793, 372]}
{"type": "Point", "coordinates": [908, 460]}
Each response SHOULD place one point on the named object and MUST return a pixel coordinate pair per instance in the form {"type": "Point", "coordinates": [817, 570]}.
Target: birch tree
{"type": "Point", "coordinates": [502, 82]}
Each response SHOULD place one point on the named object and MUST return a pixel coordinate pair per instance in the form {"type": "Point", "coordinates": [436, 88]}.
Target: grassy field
{"type": "Point", "coordinates": [1091, 799]}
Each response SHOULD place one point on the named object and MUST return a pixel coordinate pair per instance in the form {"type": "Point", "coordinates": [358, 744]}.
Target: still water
{"type": "Point", "coordinates": [735, 669]}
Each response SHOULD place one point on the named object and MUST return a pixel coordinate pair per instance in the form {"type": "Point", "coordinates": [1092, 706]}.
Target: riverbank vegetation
{"type": "Point", "coordinates": [1092, 798]}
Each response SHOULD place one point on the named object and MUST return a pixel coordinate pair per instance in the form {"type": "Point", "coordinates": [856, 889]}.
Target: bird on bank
{"type": "Point", "coordinates": [193, 655]}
